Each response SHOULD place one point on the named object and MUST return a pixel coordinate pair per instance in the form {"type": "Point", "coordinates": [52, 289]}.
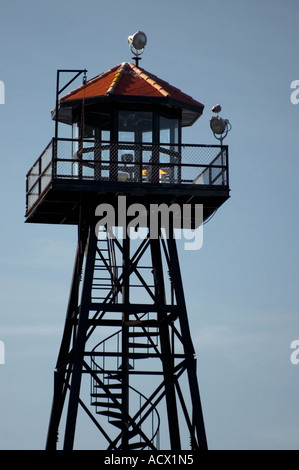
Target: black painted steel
{"type": "Point", "coordinates": [152, 332]}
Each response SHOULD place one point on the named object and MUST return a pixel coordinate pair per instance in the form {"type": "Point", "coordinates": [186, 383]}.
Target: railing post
{"type": "Point", "coordinates": [39, 185]}
{"type": "Point", "coordinates": [180, 164]}
{"type": "Point", "coordinates": [226, 166]}
{"type": "Point", "coordinates": [113, 162]}
{"type": "Point", "coordinates": [222, 165]}
{"type": "Point", "coordinates": [80, 158]}
{"type": "Point", "coordinates": [27, 194]}
{"type": "Point", "coordinates": [138, 161]}
{"type": "Point", "coordinates": [155, 167]}
{"type": "Point", "coordinates": [54, 158]}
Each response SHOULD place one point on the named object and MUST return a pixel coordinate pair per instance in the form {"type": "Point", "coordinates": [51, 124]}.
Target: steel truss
{"type": "Point", "coordinates": [127, 330]}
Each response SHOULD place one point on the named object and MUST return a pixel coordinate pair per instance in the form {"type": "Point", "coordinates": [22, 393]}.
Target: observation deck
{"type": "Point", "coordinates": [72, 175]}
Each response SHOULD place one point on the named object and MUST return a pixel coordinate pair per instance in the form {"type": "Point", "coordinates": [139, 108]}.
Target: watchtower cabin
{"type": "Point", "coordinates": [126, 331]}
{"type": "Point", "coordinates": [126, 137]}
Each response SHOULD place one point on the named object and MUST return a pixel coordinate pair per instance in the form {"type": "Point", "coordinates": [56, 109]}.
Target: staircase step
{"type": "Point", "coordinates": [143, 355]}
{"type": "Point", "coordinates": [118, 423]}
{"type": "Point", "coordinates": [140, 345]}
{"type": "Point", "coordinates": [137, 445]}
{"type": "Point", "coordinates": [143, 335]}
{"type": "Point", "coordinates": [97, 282]}
{"type": "Point", "coordinates": [118, 385]}
{"type": "Point", "coordinates": [113, 376]}
{"type": "Point", "coordinates": [129, 366]}
{"type": "Point", "coordinates": [104, 395]}
{"type": "Point", "coordinates": [111, 414]}
{"type": "Point", "coordinates": [106, 403]}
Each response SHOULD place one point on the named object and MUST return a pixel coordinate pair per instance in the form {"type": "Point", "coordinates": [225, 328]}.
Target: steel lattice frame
{"type": "Point", "coordinates": [161, 328]}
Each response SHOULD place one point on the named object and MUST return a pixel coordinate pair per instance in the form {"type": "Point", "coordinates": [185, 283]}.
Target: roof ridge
{"type": "Point", "coordinates": [117, 78]}
{"type": "Point", "coordinates": [145, 76]}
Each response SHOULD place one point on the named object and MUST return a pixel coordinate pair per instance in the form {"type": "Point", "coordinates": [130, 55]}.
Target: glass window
{"type": "Point", "coordinates": [96, 121]}
{"type": "Point", "coordinates": [147, 137]}
{"type": "Point", "coordinates": [105, 135]}
{"type": "Point", "coordinates": [169, 130]}
{"type": "Point", "coordinates": [169, 149]}
{"type": "Point", "coordinates": [135, 126]}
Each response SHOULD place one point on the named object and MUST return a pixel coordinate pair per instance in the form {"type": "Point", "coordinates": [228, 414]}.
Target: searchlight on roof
{"type": "Point", "coordinates": [137, 43]}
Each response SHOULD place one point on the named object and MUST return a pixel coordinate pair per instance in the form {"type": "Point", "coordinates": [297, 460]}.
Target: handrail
{"type": "Point", "coordinates": [36, 161]}
{"type": "Point", "coordinates": [40, 176]}
{"type": "Point", "coordinates": [170, 163]}
{"type": "Point", "coordinates": [220, 154]}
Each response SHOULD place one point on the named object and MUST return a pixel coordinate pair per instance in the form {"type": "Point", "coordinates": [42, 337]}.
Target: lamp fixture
{"type": "Point", "coordinates": [137, 43]}
{"type": "Point", "coordinates": [219, 126]}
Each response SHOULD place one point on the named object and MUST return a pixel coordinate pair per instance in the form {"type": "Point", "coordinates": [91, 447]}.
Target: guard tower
{"type": "Point", "coordinates": [126, 357]}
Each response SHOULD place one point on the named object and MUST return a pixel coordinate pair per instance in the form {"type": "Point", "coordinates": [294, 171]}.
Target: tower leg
{"type": "Point", "coordinates": [167, 361]}
{"type": "Point", "coordinates": [188, 346]}
{"type": "Point", "coordinates": [62, 373]}
{"type": "Point", "coordinates": [79, 346]}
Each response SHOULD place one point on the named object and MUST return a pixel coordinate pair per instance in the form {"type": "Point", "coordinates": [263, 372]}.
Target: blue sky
{"type": "Point", "coordinates": [242, 285]}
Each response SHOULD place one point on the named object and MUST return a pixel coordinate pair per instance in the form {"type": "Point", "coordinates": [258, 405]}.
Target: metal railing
{"type": "Point", "coordinates": [124, 162]}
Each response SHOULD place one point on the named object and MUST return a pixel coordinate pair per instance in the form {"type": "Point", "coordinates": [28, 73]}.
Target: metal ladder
{"type": "Point", "coordinates": [105, 271]}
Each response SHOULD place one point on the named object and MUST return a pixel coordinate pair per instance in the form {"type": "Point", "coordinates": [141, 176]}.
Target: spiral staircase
{"type": "Point", "coordinates": [142, 422]}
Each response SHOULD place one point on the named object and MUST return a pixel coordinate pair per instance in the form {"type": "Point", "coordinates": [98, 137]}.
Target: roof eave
{"type": "Point", "coordinates": [190, 113]}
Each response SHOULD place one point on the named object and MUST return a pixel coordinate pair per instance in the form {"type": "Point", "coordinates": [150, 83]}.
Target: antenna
{"type": "Point", "coordinates": [137, 43]}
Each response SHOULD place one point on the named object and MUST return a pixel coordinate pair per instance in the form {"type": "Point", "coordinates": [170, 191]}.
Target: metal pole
{"type": "Point", "coordinates": [79, 346]}
{"type": "Point", "coordinates": [167, 361]}
{"type": "Point", "coordinates": [125, 340]}
{"type": "Point", "coordinates": [61, 373]}
{"type": "Point", "coordinates": [188, 347]}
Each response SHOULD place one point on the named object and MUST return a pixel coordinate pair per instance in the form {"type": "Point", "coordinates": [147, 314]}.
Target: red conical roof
{"type": "Point", "coordinates": [128, 80]}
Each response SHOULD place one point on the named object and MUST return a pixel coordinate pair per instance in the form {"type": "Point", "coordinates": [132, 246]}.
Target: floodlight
{"type": "Point", "coordinates": [137, 40]}
{"type": "Point", "coordinates": [137, 43]}
{"type": "Point", "coordinates": [219, 126]}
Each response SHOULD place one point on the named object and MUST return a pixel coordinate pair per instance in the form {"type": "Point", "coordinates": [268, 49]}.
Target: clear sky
{"type": "Point", "coordinates": [242, 285]}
